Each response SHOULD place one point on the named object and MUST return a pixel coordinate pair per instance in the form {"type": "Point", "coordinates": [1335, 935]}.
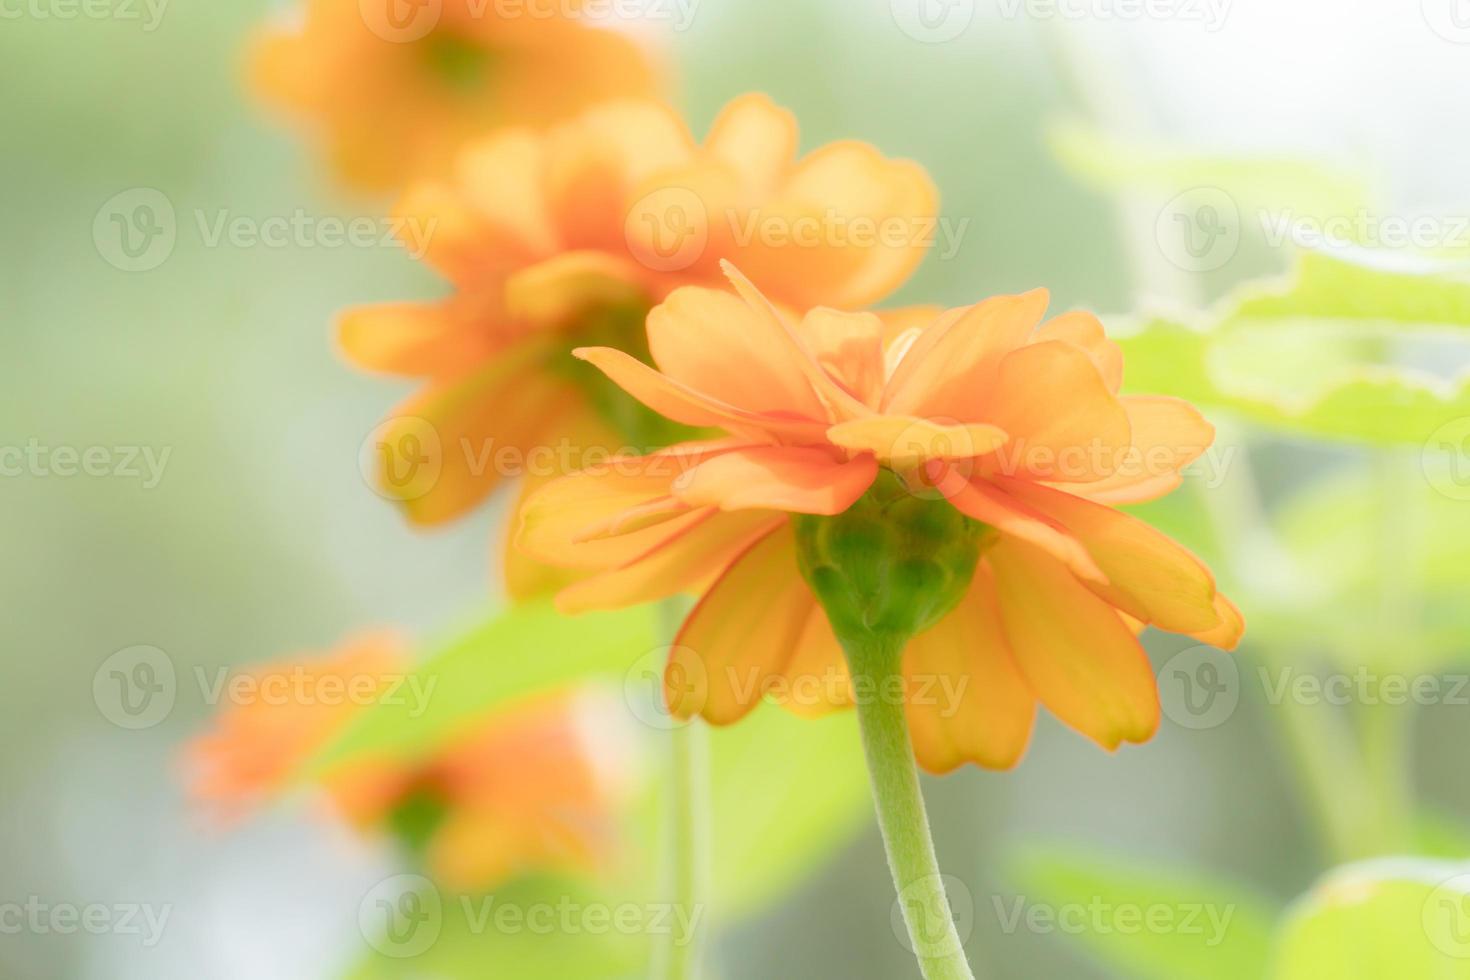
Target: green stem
{"type": "Point", "coordinates": [687, 785]}
{"type": "Point", "coordinates": [901, 816]}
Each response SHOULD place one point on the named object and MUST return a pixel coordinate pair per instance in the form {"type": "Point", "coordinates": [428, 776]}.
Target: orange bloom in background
{"type": "Point", "coordinates": [533, 787]}
{"type": "Point", "coordinates": [397, 86]}
{"type": "Point", "coordinates": [984, 422]}
{"type": "Point", "coordinates": [567, 237]}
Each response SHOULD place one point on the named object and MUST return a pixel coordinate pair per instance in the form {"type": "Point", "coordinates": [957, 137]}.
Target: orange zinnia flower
{"type": "Point", "coordinates": [526, 789]}
{"type": "Point", "coordinates": [397, 86]}
{"type": "Point", "coordinates": [569, 237]}
{"type": "Point", "coordinates": [940, 476]}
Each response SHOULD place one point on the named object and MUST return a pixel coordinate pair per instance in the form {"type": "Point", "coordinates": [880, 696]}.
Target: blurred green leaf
{"type": "Point", "coordinates": [788, 793]}
{"type": "Point", "coordinates": [519, 652]}
{"type": "Point", "coordinates": [533, 929]}
{"type": "Point", "coordinates": [1391, 918]}
{"type": "Point", "coordinates": [1315, 357]}
{"type": "Point", "coordinates": [1148, 922]}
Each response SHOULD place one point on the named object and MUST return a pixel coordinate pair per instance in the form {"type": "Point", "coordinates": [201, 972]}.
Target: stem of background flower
{"type": "Point", "coordinates": [901, 816]}
{"type": "Point", "coordinates": [687, 786]}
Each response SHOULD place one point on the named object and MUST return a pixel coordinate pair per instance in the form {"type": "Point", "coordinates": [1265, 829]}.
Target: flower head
{"type": "Point", "coordinates": [942, 478]}
{"type": "Point", "coordinates": [568, 237]}
{"type": "Point", "coordinates": [525, 789]}
{"type": "Point", "coordinates": [397, 87]}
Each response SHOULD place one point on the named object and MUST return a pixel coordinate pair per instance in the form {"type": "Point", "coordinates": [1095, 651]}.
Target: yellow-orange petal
{"type": "Point", "coordinates": [756, 139]}
{"type": "Point", "coordinates": [741, 634]}
{"type": "Point", "coordinates": [815, 681]}
{"type": "Point", "coordinates": [1167, 435]}
{"type": "Point", "coordinates": [1149, 576]}
{"type": "Point", "coordinates": [1014, 519]}
{"type": "Point", "coordinates": [676, 565]}
{"type": "Point", "coordinates": [1073, 649]}
{"type": "Point", "coordinates": [502, 178]}
{"type": "Point", "coordinates": [849, 346]}
{"type": "Point", "coordinates": [557, 291]}
{"type": "Point", "coordinates": [414, 339]}
{"type": "Point", "coordinates": [954, 362]}
{"type": "Point", "coordinates": [1228, 634]}
{"type": "Point", "coordinates": [906, 441]}
{"type": "Point", "coordinates": [787, 478]}
{"type": "Point", "coordinates": [1064, 423]}
{"type": "Point", "coordinates": [556, 518]}
{"type": "Point", "coordinates": [717, 344]}
{"type": "Point", "coordinates": [679, 402]}
{"type": "Point", "coordinates": [1085, 332]}
{"type": "Point", "coordinates": [438, 223]}
{"type": "Point", "coordinates": [966, 700]}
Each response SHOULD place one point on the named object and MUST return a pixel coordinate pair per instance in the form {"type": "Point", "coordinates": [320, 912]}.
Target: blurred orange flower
{"type": "Point", "coordinates": [533, 787]}
{"type": "Point", "coordinates": [983, 422]}
{"type": "Point", "coordinates": [568, 237]}
{"type": "Point", "coordinates": [397, 86]}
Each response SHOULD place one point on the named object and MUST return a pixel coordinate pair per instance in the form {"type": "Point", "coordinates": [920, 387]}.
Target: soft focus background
{"type": "Point", "coordinates": [256, 535]}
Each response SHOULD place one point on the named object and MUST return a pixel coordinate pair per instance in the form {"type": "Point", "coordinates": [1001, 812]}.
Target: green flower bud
{"type": "Point", "coordinates": [893, 564]}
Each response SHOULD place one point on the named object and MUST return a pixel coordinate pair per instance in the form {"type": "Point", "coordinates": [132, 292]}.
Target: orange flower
{"type": "Point", "coordinates": [526, 789]}
{"type": "Point", "coordinates": [397, 86]}
{"type": "Point", "coordinates": [569, 237]}
{"type": "Point", "coordinates": [981, 428]}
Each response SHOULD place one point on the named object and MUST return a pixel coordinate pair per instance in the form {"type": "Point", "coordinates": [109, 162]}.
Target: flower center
{"type": "Point", "coordinates": [893, 564]}
{"type": "Point", "coordinates": [458, 62]}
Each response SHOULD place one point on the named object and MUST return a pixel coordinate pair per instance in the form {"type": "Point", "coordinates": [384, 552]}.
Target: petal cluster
{"type": "Point", "coordinates": [1013, 419]}
{"type": "Point", "coordinates": [532, 787]}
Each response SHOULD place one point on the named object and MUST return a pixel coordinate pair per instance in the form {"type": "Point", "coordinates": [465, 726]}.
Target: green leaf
{"type": "Point", "coordinates": [1316, 357]}
{"type": "Point", "coordinates": [1390, 918]}
{"type": "Point", "coordinates": [1146, 922]}
{"type": "Point", "coordinates": [519, 652]}
{"type": "Point", "coordinates": [787, 794]}
{"type": "Point", "coordinates": [533, 929]}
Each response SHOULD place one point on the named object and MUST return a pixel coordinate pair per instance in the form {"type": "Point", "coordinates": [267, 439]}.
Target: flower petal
{"type": "Point", "coordinates": [849, 346]}
{"type": "Point", "coordinates": [800, 481]}
{"type": "Point", "coordinates": [1085, 332]}
{"type": "Point", "coordinates": [755, 138]}
{"type": "Point", "coordinates": [413, 339]}
{"type": "Point", "coordinates": [1167, 435]}
{"type": "Point", "coordinates": [1228, 634]}
{"type": "Point", "coordinates": [815, 681]}
{"type": "Point", "coordinates": [678, 564]}
{"type": "Point", "coordinates": [742, 633]}
{"type": "Point", "coordinates": [966, 698]}
{"type": "Point", "coordinates": [555, 292]}
{"type": "Point", "coordinates": [906, 441]}
{"type": "Point", "coordinates": [953, 363]}
{"type": "Point", "coordinates": [715, 343]}
{"type": "Point", "coordinates": [1149, 576]}
{"type": "Point", "coordinates": [988, 504]}
{"type": "Point", "coordinates": [1064, 423]}
{"type": "Point", "coordinates": [1073, 649]}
